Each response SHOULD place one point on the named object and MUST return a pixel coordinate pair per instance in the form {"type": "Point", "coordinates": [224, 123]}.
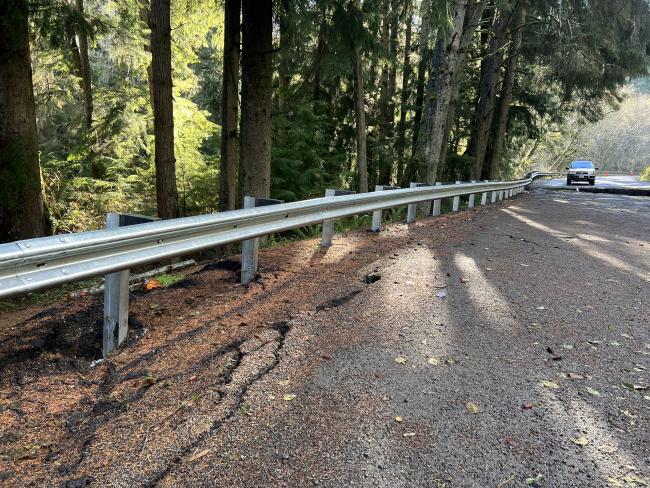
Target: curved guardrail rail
{"type": "Point", "coordinates": [40, 263]}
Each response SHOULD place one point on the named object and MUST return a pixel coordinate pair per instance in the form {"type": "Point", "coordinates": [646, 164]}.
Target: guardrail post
{"type": "Point", "coordinates": [494, 196]}
{"type": "Point", "coordinates": [412, 207]}
{"type": "Point", "coordinates": [376, 215]}
{"type": "Point", "coordinates": [436, 203]}
{"type": "Point", "coordinates": [328, 225]}
{"type": "Point", "coordinates": [484, 196]}
{"type": "Point", "coordinates": [472, 197]}
{"type": "Point", "coordinates": [250, 248]}
{"type": "Point", "coordinates": [456, 202]}
{"type": "Point", "coordinates": [116, 301]}
{"type": "Point", "coordinates": [249, 251]}
{"type": "Point", "coordinates": [116, 290]}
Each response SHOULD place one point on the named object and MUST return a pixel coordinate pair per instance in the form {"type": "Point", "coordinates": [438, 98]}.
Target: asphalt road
{"type": "Point", "coordinates": [494, 358]}
{"type": "Point", "coordinates": [601, 182]}
{"type": "Point", "coordinates": [504, 346]}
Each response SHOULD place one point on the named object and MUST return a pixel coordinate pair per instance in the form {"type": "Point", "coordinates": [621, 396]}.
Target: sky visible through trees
{"type": "Point", "coordinates": [180, 107]}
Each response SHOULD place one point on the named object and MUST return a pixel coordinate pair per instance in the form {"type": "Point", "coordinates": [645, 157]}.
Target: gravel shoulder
{"type": "Point", "coordinates": [499, 346]}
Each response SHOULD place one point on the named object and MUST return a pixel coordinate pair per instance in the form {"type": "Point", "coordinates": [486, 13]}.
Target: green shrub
{"type": "Point", "coordinates": [645, 174]}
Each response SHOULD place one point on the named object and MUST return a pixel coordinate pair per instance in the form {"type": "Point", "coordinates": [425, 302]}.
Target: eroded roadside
{"type": "Point", "coordinates": [194, 349]}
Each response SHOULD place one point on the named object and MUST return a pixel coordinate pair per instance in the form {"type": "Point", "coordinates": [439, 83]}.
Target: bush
{"type": "Point", "coordinates": [645, 174]}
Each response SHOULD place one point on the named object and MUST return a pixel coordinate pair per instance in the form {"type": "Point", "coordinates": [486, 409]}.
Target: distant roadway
{"type": "Point", "coordinates": [601, 182]}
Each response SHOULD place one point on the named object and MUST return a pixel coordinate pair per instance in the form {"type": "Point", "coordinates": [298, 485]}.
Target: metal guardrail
{"type": "Point", "coordinates": [35, 264]}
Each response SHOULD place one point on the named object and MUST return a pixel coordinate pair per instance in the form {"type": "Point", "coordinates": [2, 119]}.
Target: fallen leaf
{"type": "Point", "coordinates": [634, 481]}
{"type": "Point", "coordinates": [399, 419]}
{"type": "Point", "coordinates": [550, 384]}
{"type": "Point", "coordinates": [283, 382]}
{"type": "Point", "coordinates": [409, 434]}
{"type": "Point", "coordinates": [614, 343]}
{"type": "Point", "coordinates": [472, 407]}
{"type": "Point", "coordinates": [581, 441]}
{"type": "Point", "coordinates": [607, 449]}
{"type": "Point", "coordinates": [567, 346]}
{"type": "Point", "coordinates": [627, 336]}
{"type": "Point", "coordinates": [627, 414]}
{"type": "Point", "coordinates": [198, 455]}
{"type": "Point", "coordinates": [527, 406]}
{"type": "Point", "coordinates": [288, 397]}
{"type": "Point", "coordinates": [152, 284]}
{"type": "Point", "coordinates": [592, 391]}
{"type": "Point", "coordinates": [535, 481]}
{"type": "Point", "coordinates": [633, 387]}
{"type": "Point", "coordinates": [400, 360]}
{"type": "Point", "coordinates": [434, 361]}
{"type": "Point", "coordinates": [614, 482]}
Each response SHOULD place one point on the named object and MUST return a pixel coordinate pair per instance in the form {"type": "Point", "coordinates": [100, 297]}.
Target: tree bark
{"type": "Point", "coordinates": [382, 169]}
{"type": "Point", "coordinates": [423, 51]}
{"type": "Point", "coordinates": [22, 213]}
{"type": "Point", "coordinates": [360, 116]}
{"type": "Point", "coordinates": [472, 20]}
{"type": "Point", "coordinates": [256, 98]}
{"type": "Point", "coordinates": [285, 47]}
{"type": "Point", "coordinates": [228, 167]}
{"type": "Point", "coordinates": [321, 49]}
{"type": "Point", "coordinates": [163, 110]}
{"type": "Point", "coordinates": [490, 71]}
{"type": "Point", "coordinates": [444, 63]}
{"type": "Point", "coordinates": [506, 90]}
{"type": "Point", "coordinates": [406, 74]}
{"type": "Point", "coordinates": [85, 75]}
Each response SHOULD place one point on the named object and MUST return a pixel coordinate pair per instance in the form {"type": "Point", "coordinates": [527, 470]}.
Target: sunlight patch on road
{"type": "Point", "coordinates": [584, 246]}
{"type": "Point", "coordinates": [482, 292]}
{"type": "Point", "coordinates": [580, 419]}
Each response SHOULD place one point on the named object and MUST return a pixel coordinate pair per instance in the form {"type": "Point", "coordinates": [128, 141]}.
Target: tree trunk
{"type": "Point", "coordinates": [163, 110]}
{"type": "Point", "coordinates": [145, 18]}
{"type": "Point", "coordinates": [382, 169]}
{"type": "Point", "coordinates": [506, 90]}
{"type": "Point", "coordinates": [321, 49]}
{"type": "Point", "coordinates": [81, 44]}
{"type": "Point", "coordinates": [423, 51]}
{"type": "Point", "coordinates": [472, 20]}
{"type": "Point", "coordinates": [490, 70]}
{"type": "Point", "coordinates": [22, 214]}
{"type": "Point", "coordinates": [406, 74]}
{"type": "Point", "coordinates": [230, 107]}
{"type": "Point", "coordinates": [285, 52]}
{"type": "Point", "coordinates": [444, 63]}
{"type": "Point", "coordinates": [360, 116]}
{"type": "Point", "coordinates": [256, 98]}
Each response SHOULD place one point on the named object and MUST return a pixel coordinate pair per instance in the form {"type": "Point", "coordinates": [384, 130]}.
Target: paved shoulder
{"type": "Point", "coordinates": [505, 354]}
